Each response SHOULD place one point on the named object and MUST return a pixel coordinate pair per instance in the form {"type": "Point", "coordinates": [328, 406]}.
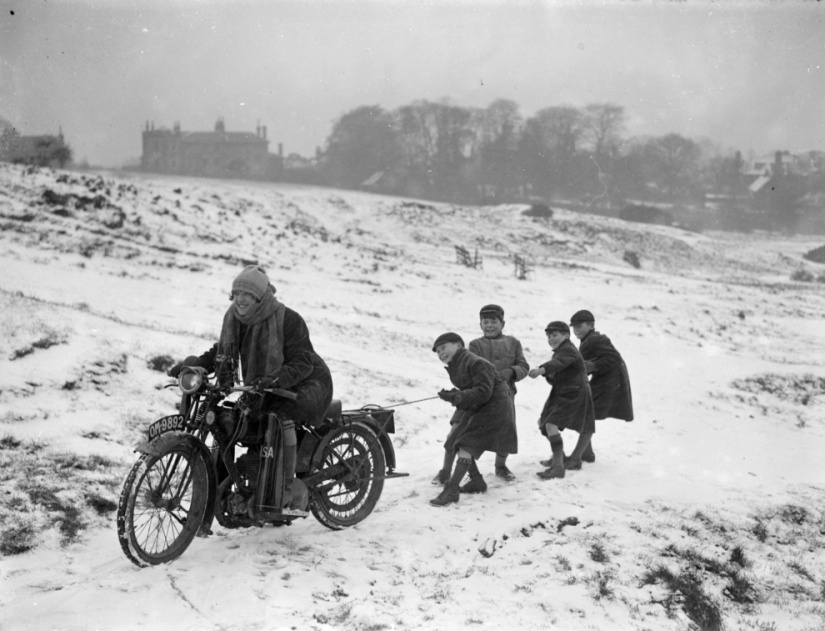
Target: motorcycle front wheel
{"type": "Point", "coordinates": [162, 505]}
{"type": "Point", "coordinates": [350, 495]}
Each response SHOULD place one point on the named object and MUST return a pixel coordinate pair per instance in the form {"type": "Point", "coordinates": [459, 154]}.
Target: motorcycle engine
{"type": "Point", "coordinates": [249, 464]}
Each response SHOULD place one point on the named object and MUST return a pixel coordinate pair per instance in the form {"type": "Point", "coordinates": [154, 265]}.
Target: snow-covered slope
{"type": "Point", "coordinates": [706, 510]}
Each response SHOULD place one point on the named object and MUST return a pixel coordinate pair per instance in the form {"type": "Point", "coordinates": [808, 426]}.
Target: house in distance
{"type": "Point", "coordinates": [217, 153]}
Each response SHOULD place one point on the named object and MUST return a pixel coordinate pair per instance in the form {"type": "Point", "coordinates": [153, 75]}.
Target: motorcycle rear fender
{"type": "Point", "coordinates": [165, 442]}
{"type": "Point", "coordinates": [383, 438]}
{"type": "Point", "coordinates": [372, 425]}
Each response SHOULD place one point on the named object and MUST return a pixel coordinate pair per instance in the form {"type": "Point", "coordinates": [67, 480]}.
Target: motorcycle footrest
{"type": "Point", "coordinates": [396, 474]}
{"type": "Point", "coordinates": [286, 513]}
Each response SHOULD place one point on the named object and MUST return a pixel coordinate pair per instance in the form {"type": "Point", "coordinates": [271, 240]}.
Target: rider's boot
{"type": "Point", "coordinates": [290, 457]}
{"type": "Point", "coordinates": [450, 494]}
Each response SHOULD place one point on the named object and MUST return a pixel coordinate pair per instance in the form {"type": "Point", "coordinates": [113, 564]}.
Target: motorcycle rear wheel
{"type": "Point", "coordinates": [162, 505]}
{"type": "Point", "coordinates": [350, 496]}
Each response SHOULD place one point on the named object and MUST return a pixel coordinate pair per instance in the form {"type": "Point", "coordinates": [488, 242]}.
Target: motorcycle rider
{"type": "Point", "coordinates": [273, 346]}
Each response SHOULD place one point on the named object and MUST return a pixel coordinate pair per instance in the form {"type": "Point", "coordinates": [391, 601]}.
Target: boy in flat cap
{"type": "Point", "coordinates": [506, 354]}
{"type": "Point", "coordinates": [609, 381]}
{"type": "Point", "coordinates": [569, 405]}
{"type": "Point", "coordinates": [484, 419]}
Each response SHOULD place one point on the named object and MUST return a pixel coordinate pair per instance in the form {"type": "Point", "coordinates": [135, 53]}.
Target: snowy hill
{"type": "Point", "coordinates": [706, 512]}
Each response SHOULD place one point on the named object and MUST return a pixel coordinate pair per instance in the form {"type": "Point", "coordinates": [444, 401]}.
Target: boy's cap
{"type": "Point", "coordinates": [557, 325]}
{"type": "Point", "coordinates": [491, 310]}
{"type": "Point", "coordinates": [582, 316]}
{"type": "Point", "coordinates": [447, 337]}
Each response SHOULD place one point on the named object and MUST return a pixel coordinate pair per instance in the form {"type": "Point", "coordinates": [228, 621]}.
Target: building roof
{"type": "Point", "coordinates": [225, 136]}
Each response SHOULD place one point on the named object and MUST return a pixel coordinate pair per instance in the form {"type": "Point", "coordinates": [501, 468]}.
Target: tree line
{"type": "Point", "coordinates": [442, 151]}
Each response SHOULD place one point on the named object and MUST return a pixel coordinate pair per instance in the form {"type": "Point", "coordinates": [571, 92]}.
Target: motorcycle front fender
{"type": "Point", "coordinates": [166, 442]}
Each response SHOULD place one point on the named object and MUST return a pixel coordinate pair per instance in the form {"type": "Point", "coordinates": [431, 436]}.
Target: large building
{"type": "Point", "coordinates": [45, 150]}
{"type": "Point", "coordinates": [216, 153]}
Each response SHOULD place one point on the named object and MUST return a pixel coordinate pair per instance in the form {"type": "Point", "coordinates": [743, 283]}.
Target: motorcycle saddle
{"type": "Point", "coordinates": [334, 409]}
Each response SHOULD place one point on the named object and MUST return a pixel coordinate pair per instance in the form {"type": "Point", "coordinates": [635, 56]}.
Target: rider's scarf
{"type": "Point", "coordinates": [261, 348]}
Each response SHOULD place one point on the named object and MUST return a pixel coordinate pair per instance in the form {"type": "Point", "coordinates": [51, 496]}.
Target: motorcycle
{"type": "Point", "coordinates": [223, 458]}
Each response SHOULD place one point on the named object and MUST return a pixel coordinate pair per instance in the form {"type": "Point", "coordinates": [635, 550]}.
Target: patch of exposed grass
{"type": "Point", "coordinates": [792, 514]}
{"type": "Point", "coordinates": [160, 363]}
{"type": "Point", "coordinates": [737, 556]}
{"type": "Point", "coordinates": [598, 553]}
{"type": "Point", "coordinates": [800, 389]}
{"type": "Point", "coordinates": [43, 491]}
{"type": "Point", "coordinates": [602, 584]}
{"type": "Point", "coordinates": [687, 592]}
{"type": "Point", "coordinates": [562, 563]}
{"type": "Point", "coordinates": [17, 536]}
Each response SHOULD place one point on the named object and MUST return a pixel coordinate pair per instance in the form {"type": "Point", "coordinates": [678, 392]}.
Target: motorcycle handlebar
{"type": "Point", "coordinates": [286, 394]}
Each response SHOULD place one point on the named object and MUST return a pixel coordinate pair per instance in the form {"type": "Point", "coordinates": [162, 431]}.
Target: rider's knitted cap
{"type": "Point", "coordinates": [492, 311]}
{"type": "Point", "coordinates": [557, 325]}
{"type": "Point", "coordinates": [582, 316]}
{"type": "Point", "coordinates": [447, 337]}
{"type": "Point", "coordinates": [253, 280]}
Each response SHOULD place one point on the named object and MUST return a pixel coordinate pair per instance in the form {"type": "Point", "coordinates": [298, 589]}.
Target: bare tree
{"type": "Point", "coordinates": [603, 126]}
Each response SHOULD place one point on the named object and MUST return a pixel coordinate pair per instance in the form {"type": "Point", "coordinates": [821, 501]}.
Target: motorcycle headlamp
{"type": "Point", "coordinates": [191, 379]}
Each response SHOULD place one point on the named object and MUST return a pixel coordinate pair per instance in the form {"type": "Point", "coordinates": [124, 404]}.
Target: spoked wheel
{"type": "Point", "coordinates": [162, 505]}
{"type": "Point", "coordinates": [355, 460]}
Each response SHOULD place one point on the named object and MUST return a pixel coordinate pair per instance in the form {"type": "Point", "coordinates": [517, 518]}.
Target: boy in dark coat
{"type": "Point", "coordinates": [569, 405]}
{"type": "Point", "coordinates": [271, 342]}
{"type": "Point", "coordinates": [609, 381]}
{"type": "Point", "coordinates": [485, 413]}
{"type": "Point", "coordinates": [506, 354]}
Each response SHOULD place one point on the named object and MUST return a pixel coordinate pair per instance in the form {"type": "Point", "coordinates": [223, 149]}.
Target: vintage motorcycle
{"type": "Point", "coordinates": [222, 458]}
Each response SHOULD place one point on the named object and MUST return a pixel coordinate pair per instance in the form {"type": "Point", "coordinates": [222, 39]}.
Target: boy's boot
{"type": "Point", "coordinates": [589, 455]}
{"type": "Point", "coordinates": [476, 483]}
{"type": "Point", "coordinates": [442, 477]}
{"type": "Point", "coordinates": [574, 462]}
{"type": "Point", "coordinates": [557, 470]}
{"type": "Point", "coordinates": [451, 493]}
{"type": "Point", "coordinates": [501, 468]}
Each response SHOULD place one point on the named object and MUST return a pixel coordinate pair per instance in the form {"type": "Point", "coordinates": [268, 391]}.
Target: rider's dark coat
{"type": "Point", "coordinates": [609, 383]}
{"type": "Point", "coordinates": [484, 419]}
{"type": "Point", "coordinates": [569, 405]}
{"type": "Point", "coordinates": [302, 371]}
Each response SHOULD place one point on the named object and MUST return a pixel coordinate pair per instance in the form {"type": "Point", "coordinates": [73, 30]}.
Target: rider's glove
{"type": "Point", "coordinates": [192, 360]}
{"type": "Point", "coordinates": [451, 396]}
{"type": "Point", "coordinates": [266, 382]}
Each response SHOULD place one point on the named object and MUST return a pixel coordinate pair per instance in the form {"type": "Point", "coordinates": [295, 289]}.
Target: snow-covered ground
{"type": "Point", "coordinates": [705, 512]}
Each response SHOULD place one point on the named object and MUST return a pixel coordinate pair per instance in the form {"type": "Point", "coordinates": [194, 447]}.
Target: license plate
{"type": "Point", "coordinates": [174, 423]}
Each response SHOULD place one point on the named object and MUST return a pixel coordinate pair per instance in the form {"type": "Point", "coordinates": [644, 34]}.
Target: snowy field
{"type": "Point", "coordinates": [706, 512]}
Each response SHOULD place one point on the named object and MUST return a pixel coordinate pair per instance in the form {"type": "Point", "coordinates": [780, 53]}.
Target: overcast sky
{"type": "Point", "coordinates": [749, 75]}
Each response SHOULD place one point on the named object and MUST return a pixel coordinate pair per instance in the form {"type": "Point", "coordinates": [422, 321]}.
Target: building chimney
{"type": "Point", "coordinates": [281, 149]}
{"type": "Point", "coordinates": [264, 132]}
